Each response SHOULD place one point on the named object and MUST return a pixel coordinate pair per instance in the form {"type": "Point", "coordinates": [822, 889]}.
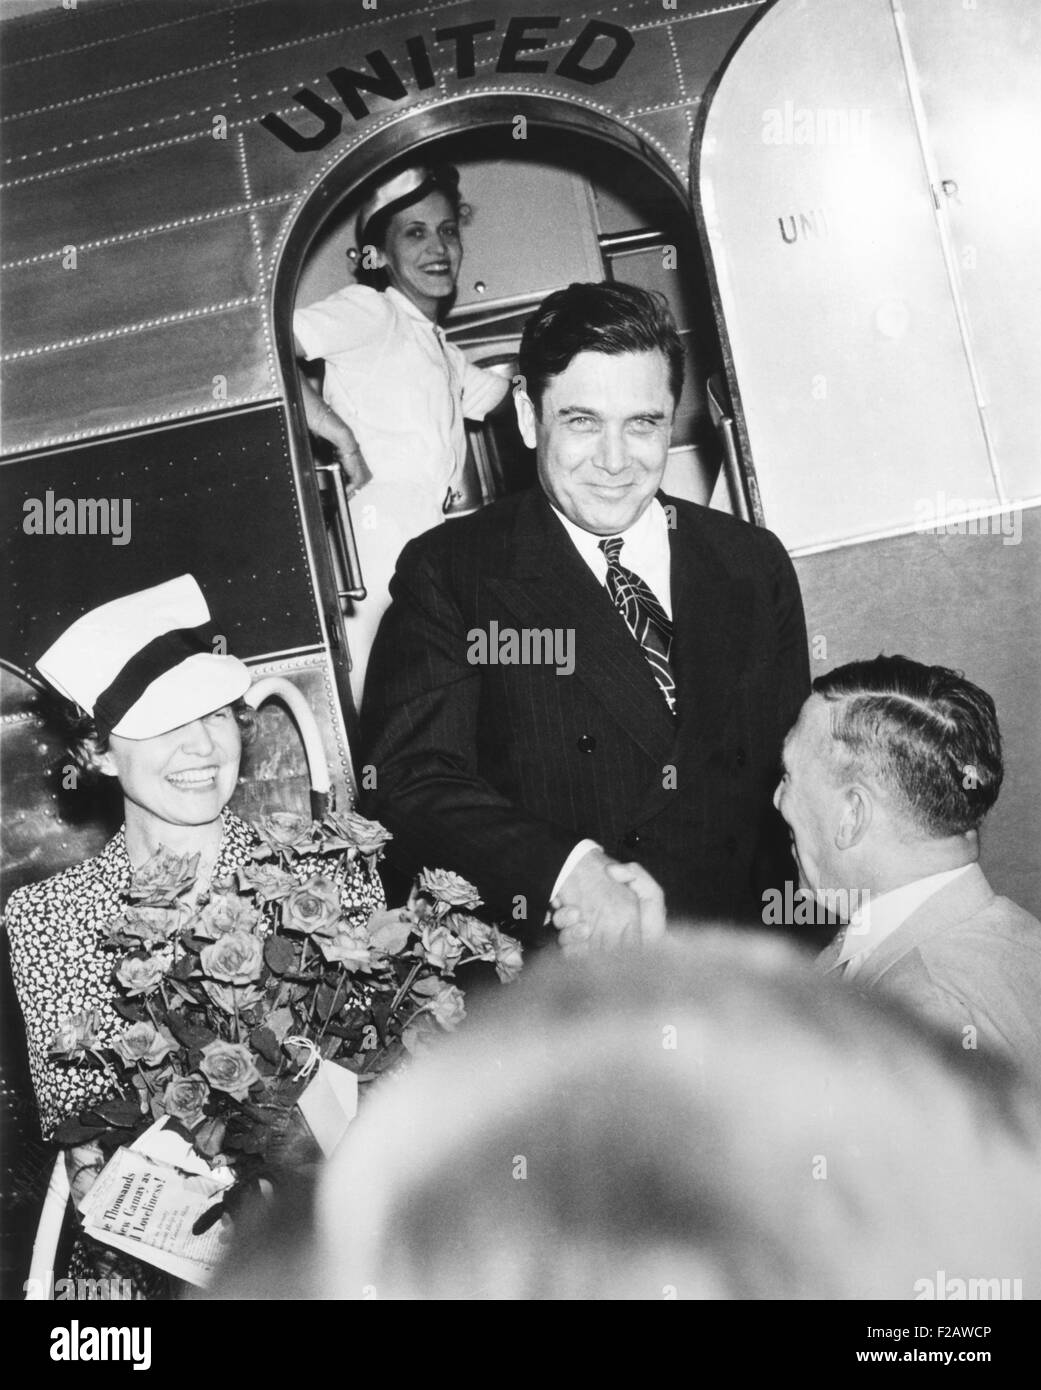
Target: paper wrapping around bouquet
{"type": "Point", "coordinates": [148, 1197]}
{"type": "Point", "coordinates": [329, 1104]}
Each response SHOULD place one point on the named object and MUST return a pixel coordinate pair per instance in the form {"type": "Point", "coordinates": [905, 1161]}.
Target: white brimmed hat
{"type": "Point", "coordinates": [400, 190]}
{"type": "Point", "coordinates": [145, 664]}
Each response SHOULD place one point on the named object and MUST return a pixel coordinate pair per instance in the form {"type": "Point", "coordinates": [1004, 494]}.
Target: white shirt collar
{"type": "Point", "coordinates": [880, 916]}
{"type": "Point", "coordinates": [406, 306]}
{"type": "Point", "coordinates": [645, 550]}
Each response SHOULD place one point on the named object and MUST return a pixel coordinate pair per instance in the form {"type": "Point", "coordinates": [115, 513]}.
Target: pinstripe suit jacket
{"type": "Point", "coordinates": [497, 770]}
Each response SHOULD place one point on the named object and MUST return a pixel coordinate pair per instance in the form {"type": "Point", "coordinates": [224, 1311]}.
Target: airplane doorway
{"type": "Point", "coordinates": [580, 197]}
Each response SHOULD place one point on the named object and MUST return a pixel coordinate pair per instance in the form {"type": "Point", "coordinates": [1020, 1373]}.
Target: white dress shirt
{"type": "Point", "coordinates": [879, 918]}
{"type": "Point", "coordinates": [404, 391]}
{"type": "Point", "coordinates": [401, 387]}
{"type": "Point", "coordinates": [645, 551]}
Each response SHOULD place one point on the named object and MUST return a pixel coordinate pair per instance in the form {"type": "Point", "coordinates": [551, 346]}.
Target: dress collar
{"type": "Point", "coordinates": [402, 302]}
{"type": "Point", "coordinates": [237, 839]}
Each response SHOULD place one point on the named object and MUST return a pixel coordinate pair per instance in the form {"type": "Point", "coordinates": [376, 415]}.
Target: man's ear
{"type": "Point", "coordinates": [857, 812]}
{"type": "Point", "coordinates": [526, 418]}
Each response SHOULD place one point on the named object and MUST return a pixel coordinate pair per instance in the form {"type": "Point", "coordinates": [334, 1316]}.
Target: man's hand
{"type": "Point", "coordinates": [593, 910]}
{"type": "Point", "coordinates": [569, 917]}
{"type": "Point", "coordinates": [651, 896]}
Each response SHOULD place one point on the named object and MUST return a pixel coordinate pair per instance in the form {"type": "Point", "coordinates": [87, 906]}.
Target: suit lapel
{"type": "Point", "coordinates": [828, 959]}
{"type": "Point", "coordinates": [711, 635]}
{"type": "Point", "coordinates": [546, 583]}
{"type": "Point", "coordinates": [954, 903]}
{"type": "Point", "coordinates": [710, 646]}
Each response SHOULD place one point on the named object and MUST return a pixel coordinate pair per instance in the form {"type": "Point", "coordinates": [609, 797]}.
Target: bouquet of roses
{"type": "Point", "coordinates": [231, 999]}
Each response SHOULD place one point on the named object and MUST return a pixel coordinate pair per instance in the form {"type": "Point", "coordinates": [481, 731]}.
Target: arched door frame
{"type": "Point", "coordinates": [408, 133]}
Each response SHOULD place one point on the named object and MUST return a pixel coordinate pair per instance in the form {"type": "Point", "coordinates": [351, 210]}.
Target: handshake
{"type": "Point", "coordinates": [603, 905]}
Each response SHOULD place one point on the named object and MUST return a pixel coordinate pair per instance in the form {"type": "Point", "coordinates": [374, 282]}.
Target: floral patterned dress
{"type": "Point", "coordinates": [57, 929]}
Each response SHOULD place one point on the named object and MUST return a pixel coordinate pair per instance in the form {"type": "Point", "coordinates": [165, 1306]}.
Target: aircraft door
{"type": "Point", "coordinates": [873, 279]}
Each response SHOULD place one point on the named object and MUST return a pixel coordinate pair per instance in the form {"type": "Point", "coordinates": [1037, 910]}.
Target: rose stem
{"type": "Point", "coordinates": [335, 1003]}
{"type": "Point", "coordinates": [372, 1055]}
{"type": "Point", "coordinates": [408, 983]}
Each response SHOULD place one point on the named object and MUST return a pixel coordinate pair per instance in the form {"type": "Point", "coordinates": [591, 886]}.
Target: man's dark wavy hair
{"type": "Point", "coordinates": [607, 317]}
{"type": "Point", "coordinates": [927, 735]}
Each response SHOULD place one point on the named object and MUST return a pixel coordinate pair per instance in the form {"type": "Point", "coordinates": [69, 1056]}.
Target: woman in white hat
{"type": "Point", "coordinates": [156, 705]}
{"type": "Point", "coordinates": [396, 392]}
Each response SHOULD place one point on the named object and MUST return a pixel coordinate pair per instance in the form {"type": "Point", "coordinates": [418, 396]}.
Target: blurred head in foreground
{"type": "Point", "coordinates": [706, 1120]}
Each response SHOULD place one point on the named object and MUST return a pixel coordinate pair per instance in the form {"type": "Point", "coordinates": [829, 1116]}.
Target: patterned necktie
{"type": "Point", "coordinates": [645, 618]}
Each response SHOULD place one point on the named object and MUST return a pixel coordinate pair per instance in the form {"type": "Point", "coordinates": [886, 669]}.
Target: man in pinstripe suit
{"type": "Point", "coordinates": [590, 671]}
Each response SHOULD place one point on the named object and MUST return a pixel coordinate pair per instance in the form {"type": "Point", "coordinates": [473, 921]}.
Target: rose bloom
{"type": "Point", "coordinates": [475, 935]}
{"type": "Point", "coordinates": [389, 929]}
{"type": "Point", "coordinates": [184, 1099]}
{"type": "Point", "coordinates": [352, 949]}
{"type": "Point", "coordinates": [237, 958]}
{"type": "Point", "coordinates": [509, 956]}
{"type": "Point", "coordinates": [151, 925]}
{"type": "Point", "coordinates": [139, 976]}
{"type": "Point", "coordinates": [419, 1036]}
{"type": "Point", "coordinates": [144, 1043]}
{"type": "Point", "coordinates": [268, 881]}
{"type": "Point", "coordinates": [163, 878]}
{"type": "Point", "coordinates": [225, 913]}
{"type": "Point", "coordinates": [229, 1067]}
{"type": "Point", "coordinates": [284, 832]}
{"type": "Point", "coordinates": [442, 948]}
{"type": "Point", "coordinates": [313, 907]}
{"type": "Point", "coordinates": [76, 1033]}
{"type": "Point", "coordinates": [448, 888]}
{"type": "Point", "coordinates": [447, 1007]}
{"type": "Point", "coordinates": [367, 836]}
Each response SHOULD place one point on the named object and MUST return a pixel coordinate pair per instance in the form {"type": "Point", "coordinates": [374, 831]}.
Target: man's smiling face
{"type": "Point", "coordinates": [602, 436]}
{"type": "Point", "coordinates": [808, 796]}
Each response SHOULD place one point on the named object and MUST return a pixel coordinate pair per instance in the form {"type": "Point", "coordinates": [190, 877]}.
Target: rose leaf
{"type": "Point", "coordinates": [280, 954]}
{"type": "Point", "coordinates": [262, 1040]}
{"type": "Point", "coordinates": [133, 1012]}
{"type": "Point", "coordinates": [188, 1034]}
{"type": "Point", "coordinates": [325, 996]}
{"type": "Point", "coordinates": [122, 1113]}
{"type": "Point", "coordinates": [72, 1130]}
